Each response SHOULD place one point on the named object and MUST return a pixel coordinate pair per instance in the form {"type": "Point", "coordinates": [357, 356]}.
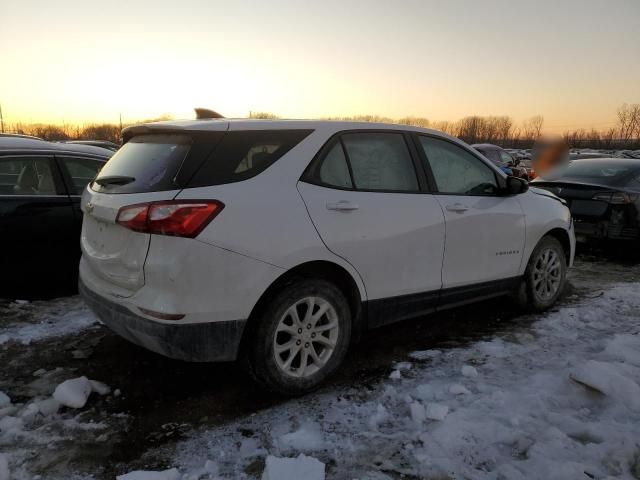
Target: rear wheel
{"type": "Point", "coordinates": [301, 337]}
{"type": "Point", "coordinates": [545, 276]}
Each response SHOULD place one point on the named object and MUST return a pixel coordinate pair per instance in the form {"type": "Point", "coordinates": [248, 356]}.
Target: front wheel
{"type": "Point", "coordinates": [545, 276]}
{"type": "Point", "coordinates": [301, 337]}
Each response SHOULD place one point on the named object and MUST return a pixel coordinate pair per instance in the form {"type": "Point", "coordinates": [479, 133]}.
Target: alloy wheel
{"type": "Point", "coordinates": [547, 274]}
{"type": "Point", "coordinates": [306, 337]}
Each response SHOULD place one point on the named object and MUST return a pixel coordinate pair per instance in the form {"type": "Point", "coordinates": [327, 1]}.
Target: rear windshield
{"type": "Point", "coordinates": [607, 172]}
{"type": "Point", "coordinates": [146, 163]}
{"type": "Point", "coordinates": [244, 154]}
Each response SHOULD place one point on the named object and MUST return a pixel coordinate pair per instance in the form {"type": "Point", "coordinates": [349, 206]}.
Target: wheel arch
{"type": "Point", "coordinates": [562, 236]}
{"type": "Point", "coordinates": [320, 269]}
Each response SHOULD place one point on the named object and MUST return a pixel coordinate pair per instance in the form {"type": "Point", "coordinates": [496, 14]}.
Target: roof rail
{"type": "Point", "coordinates": [20, 135]}
{"type": "Point", "coordinates": [206, 114]}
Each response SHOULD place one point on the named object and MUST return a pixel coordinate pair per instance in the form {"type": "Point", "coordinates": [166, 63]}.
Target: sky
{"type": "Point", "coordinates": [81, 61]}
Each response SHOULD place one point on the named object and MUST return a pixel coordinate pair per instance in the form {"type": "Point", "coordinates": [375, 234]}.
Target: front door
{"type": "Point", "coordinates": [485, 230]}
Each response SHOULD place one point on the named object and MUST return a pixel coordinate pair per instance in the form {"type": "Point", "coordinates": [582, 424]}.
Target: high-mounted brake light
{"type": "Point", "coordinates": [178, 218]}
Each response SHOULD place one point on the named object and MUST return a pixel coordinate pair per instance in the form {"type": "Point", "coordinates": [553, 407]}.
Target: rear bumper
{"type": "Point", "coordinates": [602, 230]}
{"type": "Point", "coordinates": [192, 342]}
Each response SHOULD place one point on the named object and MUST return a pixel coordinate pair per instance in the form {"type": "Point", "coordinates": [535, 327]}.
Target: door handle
{"type": "Point", "coordinates": [342, 205]}
{"type": "Point", "coordinates": [457, 207]}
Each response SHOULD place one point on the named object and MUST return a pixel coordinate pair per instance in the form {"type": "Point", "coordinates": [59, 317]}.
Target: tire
{"type": "Point", "coordinates": [318, 341]}
{"type": "Point", "coordinates": [545, 276]}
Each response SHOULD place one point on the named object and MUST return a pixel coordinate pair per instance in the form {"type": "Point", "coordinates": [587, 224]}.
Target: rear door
{"type": "Point", "coordinates": [485, 230]}
{"type": "Point", "coordinates": [36, 222]}
{"type": "Point", "coordinates": [368, 204]}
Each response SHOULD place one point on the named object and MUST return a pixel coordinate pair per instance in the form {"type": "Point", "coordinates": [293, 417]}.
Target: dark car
{"type": "Point", "coordinates": [585, 155]}
{"type": "Point", "coordinates": [502, 159]}
{"type": "Point", "coordinates": [40, 219]}
{"type": "Point", "coordinates": [603, 195]}
{"type": "Point", "coordinates": [96, 143]}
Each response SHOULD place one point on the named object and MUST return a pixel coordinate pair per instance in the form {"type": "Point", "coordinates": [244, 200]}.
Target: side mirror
{"type": "Point", "coordinates": [516, 185]}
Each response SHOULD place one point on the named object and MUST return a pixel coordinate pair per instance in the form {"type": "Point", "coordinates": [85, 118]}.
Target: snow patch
{"type": "Point", "coordinates": [307, 438]}
{"type": "Point", "coordinates": [57, 318]}
{"type": "Point", "coordinates": [73, 393]}
{"type": "Point", "coordinates": [436, 411]}
{"type": "Point", "coordinates": [171, 474]}
{"type": "Point", "coordinates": [4, 467]}
{"type": "Point", "coordinates": [469, 371]}
{"type": "Point", "coordinates": [299, 468]}
{"type": "Point", "coordinates": [609, 379]}
{"type": "Point", "coordinates": [418, 412]}
{"type": "Point", "coordinates": [99, 387]}
{"type": "Point", "coordinates": [457, 389]}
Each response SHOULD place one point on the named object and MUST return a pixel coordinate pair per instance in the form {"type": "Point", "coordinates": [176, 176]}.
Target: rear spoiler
{"type": "Point", "coordinates": [201, 114]}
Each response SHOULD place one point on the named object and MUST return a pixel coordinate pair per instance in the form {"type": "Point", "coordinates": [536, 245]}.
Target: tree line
{"type": "Point", "coordinates": [500, 130]}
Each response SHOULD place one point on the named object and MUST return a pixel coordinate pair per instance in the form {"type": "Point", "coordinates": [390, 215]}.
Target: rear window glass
{"type": "Point", "coordinates": [146, 163]}
{"type": "Point", "coordinates": [607, 172]}
{"type": "Point", "coordinates": [243, 154]}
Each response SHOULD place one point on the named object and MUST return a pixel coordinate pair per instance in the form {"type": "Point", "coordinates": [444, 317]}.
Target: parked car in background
{"type": "Point", "coordinates": [40, 218]}
{"type": "Point", "coordinates": [527, 165]}
{"type": "Point", "coordinates": [96, 143]}
{"type": "Point", "coordinates": [604, 197]}
{"type": "Point", "coordinates": [503, 159]}
{"type": "Point", "coordinates": [585, 155]}
{"type": "Point", "coordinates": [276, 241]}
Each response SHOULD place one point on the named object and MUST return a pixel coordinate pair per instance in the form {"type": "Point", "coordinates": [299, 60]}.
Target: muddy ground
{"type": "Point", "coordinates": [163, 400]}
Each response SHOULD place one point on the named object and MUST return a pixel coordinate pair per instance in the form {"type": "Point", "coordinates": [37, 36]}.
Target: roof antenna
{"type": "Point", "coordinates": [205, 114]}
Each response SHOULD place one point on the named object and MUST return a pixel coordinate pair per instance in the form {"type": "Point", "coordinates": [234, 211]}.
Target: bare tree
{"type": "Point", "coordinates": [532, 128]}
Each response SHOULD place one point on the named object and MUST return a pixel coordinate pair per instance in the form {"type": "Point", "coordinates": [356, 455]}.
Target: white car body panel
{"type": "Point", "coordinates": [484, 242]}
{"type": "Point", "coordinates": [113, 254]}
{"type": "Point", "coordinates": [394, 240]}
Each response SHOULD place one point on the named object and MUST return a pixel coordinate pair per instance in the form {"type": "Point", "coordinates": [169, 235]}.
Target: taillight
{"type": "Point", "coordinates": [178, 218]}
{"type": "Point", "coordinates": [617, 198]}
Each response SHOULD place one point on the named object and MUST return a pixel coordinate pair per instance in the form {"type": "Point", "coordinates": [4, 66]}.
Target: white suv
{"type": "Point", "coordinates": [278, 241]}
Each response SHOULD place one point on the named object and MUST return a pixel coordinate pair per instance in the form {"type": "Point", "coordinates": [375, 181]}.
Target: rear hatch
{"type": "Point", "coordinates": [152, 166]}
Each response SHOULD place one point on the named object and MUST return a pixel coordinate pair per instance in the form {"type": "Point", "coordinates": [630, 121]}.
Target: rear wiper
{"type": "Point", "coordinates": [114, 180]}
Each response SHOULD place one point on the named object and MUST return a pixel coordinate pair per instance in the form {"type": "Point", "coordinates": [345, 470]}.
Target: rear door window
{"type": "Point", "coordinates": [380, 162]}
{"type": "Point", "coordinates": [244, 154]}
{"type": "Point", "coordinates": [146, 163]}
{"type": "Point", "coordinates": [81, 171]}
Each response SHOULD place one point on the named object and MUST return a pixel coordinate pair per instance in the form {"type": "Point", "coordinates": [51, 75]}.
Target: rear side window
{"type": "Point", "coordinates": [146, 163]}
{"type": "Point", "coordinates": [334, 170]}
{"type": "Point", "coordinates": [380, 161]}
{"type": "Point", "coordinates": [244, 154]}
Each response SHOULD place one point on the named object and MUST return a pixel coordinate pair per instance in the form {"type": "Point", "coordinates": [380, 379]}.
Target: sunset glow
{"type": "Point", "coordinates": [574, 62]}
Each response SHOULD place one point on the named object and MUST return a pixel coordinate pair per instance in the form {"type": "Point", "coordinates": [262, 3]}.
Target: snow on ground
{"type": "Point", "coordinates": [58, 317]}
{"type": "Point", "coordinates": [556, 398]}
{"type": "Point", "coordinates": [28, 429]}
